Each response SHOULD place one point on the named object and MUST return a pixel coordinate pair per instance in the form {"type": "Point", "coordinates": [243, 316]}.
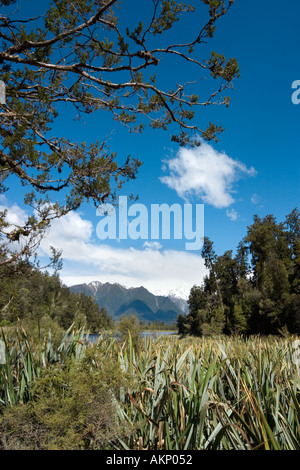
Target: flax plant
{"type": "Point", "coordinates": [221, 393]}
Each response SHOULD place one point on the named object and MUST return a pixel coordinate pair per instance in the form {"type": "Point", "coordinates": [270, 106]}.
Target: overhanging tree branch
{"type": "Point", "coordinates": [81, 53]}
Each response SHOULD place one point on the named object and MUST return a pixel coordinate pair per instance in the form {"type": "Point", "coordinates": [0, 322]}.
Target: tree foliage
{"type": "Point", "coordinates": [82, 54]}
{"type": "Point", "coordinates": [130, 329]}
{"type": "Point", "coordinates": [41, 300]}
{"type": "Point", "coordinates": [257, 291]}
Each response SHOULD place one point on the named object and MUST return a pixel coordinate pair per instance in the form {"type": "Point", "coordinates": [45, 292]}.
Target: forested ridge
{"type": "Point", "coordinates": [42, 300]}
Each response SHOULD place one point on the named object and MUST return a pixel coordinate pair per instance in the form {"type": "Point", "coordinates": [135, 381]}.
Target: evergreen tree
{"type": "Point", "coordinates": [255, 292]}
{"type": "Point", "coordinates": [39, 297]}
{"type": "Point", "coordinates": [271, 263]}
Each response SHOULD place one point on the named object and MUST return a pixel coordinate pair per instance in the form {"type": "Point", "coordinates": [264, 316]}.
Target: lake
{"type": "Point", "coordinates": [94, 337]}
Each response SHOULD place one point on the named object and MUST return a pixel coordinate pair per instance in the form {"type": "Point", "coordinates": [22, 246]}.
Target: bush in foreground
{"type": "Point", "coordinates": [73, 407]}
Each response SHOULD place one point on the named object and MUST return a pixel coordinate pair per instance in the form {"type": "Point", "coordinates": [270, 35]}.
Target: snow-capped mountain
{"type": "Point", "coordinates": [119, 300]}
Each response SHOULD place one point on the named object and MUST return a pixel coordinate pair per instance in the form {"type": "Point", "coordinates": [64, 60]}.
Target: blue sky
{"type": "Point", "coordinates": [254, 169]}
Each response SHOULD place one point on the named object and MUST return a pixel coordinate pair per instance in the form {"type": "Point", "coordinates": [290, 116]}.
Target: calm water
{"type": "Point", "coordinates": [144, 334]}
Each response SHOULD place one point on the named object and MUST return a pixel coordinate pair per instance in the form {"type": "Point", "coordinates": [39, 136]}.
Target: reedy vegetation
{"type": "Point", "coordinates": [192, 393]}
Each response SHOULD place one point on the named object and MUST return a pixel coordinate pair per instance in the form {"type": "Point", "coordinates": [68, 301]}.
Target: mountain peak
{"type": "Point", "coordinates": [119, 300]}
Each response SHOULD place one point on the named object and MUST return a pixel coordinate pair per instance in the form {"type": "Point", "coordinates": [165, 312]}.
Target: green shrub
{"type": "Point", "coordinates": [130, 325]}
{"type": "Point", "coordinates": [73, 407]}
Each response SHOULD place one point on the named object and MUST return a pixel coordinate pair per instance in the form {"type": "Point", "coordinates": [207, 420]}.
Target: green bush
{"type": "Point", "coordinates": [73, 407]}
{"type": "Point", "coordinates": [129, 325]}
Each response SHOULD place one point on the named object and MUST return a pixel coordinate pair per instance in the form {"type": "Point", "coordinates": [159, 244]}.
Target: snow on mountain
{"type": "Point", "coordinates": [179, 296]}
{"type": "Point", "coordinates": [119, 300]}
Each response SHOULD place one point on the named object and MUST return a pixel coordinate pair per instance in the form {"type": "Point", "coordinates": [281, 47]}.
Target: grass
{"type": "Point", "coordinates": [193, 393]}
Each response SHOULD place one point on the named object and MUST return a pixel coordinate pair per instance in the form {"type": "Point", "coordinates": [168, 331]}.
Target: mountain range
{"type": "Point", "coordinates": [119, 301]}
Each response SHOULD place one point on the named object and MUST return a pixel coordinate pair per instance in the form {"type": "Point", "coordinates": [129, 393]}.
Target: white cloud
{"type": "Point", "coordinates": [232, 214]}
{"type": "Point", "coordinates": [206, 173]}
{"type": "Point", "coordinates": [86, 260]}
{"type": "Point", "coordinates": [71, 228]}
{"type": "Point", "coordinates": [255, 199]}
{"type": "Point", "coordinates": [15, 215]}
{"type": "Point", "coordinates": [152, 245]}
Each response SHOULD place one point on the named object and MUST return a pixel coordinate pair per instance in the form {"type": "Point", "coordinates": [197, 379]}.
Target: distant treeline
{"type": "Point", "coordinates": [41, 299]}
{"type": "Point", "coordinates": [257, 291]}
{"type": "Point", "coordinates": [157, 326]}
